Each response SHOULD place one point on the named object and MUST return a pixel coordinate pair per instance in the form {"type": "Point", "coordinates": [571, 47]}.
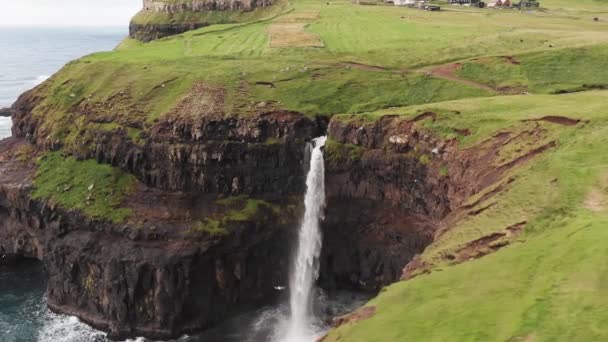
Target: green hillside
{"type": "Point", "coordinates": [334, 58]}
{"type": "Point", "coordinates": [548, 285]}
{"type": "Point", "coordinates": [485, 70]}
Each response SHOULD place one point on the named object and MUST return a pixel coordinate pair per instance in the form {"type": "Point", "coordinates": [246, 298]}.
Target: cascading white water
{"type": "Point", "coordinates": [305, 268]}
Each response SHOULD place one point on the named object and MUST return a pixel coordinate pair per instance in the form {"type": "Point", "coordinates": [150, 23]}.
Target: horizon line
{"type": "Point", "coordinates": [64, 25]}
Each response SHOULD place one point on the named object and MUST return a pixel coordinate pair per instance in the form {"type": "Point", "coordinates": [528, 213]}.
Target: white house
{"type": "Point", "coordinates": [405, 2]}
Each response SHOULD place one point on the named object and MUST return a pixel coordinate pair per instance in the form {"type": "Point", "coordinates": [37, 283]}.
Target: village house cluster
{"type": "Point", "coordinates": [497, 3]}
{"type": "Point", "coordinates": [424, 4]}
{"type": "Point", "coordinates": [421, 4]}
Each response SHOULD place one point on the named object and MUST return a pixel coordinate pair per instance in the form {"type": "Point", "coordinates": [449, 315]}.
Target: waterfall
{"type": "Point", "coordinates": [305, 268]}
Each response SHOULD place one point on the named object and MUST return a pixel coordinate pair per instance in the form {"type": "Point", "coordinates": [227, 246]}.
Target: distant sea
{"type": "Point", "coordinates": [28, 56]}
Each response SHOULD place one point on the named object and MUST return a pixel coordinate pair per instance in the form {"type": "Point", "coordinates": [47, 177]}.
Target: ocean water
{"type": "Point", "coordinates": [30, 55]}
{"type": "Point", "coordinates": [5, 127]}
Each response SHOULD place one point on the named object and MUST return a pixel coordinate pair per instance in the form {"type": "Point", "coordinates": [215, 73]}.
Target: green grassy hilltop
{"type": "Point", "coordinates": [325, 59]}
{"type": "Point", "coordinates": [496, 68]}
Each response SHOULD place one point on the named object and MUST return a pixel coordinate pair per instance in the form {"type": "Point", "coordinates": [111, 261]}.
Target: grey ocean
{"type": "Point", "coordinates": [5, 127]}
{"type": "Point", "coordinates": [27, 57]}
{"type": "Point", "coordinates": [30, 55]}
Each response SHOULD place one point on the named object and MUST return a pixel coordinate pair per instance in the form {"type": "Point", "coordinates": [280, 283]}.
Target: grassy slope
{"type": "Point", "coordinates": [548, 72]}
{"type": "Point", "coordinates": [550, 288]}
{"type": "Point", "coordinates": [97, 190]}
{"type": "Point", "coordinates": [550, 284]}
{"type": "Point", "coordinates": [236, 56]}
{"type": "Point", "coordinates": [238, 209]}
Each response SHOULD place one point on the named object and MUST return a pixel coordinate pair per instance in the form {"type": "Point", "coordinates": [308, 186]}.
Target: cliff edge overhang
{"type": "Point", "coordinates": [159, 19]}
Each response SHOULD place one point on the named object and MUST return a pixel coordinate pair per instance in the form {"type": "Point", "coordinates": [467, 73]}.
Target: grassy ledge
{"type": "Point", "coordinates": [95, 189]}
{"type": "Point", "coordinates": [236, 209]}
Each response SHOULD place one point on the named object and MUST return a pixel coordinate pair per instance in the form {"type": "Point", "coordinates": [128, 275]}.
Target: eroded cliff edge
{"type": "Point", "coordinates": [208, 217]}
{"type": "Point", "coordinates": [394, 186]}
{"type": "Point", "coordinates": [159, 19]}
{"type": "Point", "coordinates": [215, 198]}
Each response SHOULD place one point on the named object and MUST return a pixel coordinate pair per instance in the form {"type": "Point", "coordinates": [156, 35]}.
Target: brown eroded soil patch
{"type": "Point", "coordinates": [597, 199]}
{"type": "Point", "coordinates": [487, 173]}
{"type": "Point", "coordinates": [120, 108]}
{"type": "Point", "coordinates": [511, 60]}
{"type": "Point", "coordinates": [526, 338]}
{"type": "Point", "coordinates": [465, 132]}
{"type": "Point", "coordinates": [448, 72]}
{"type": "Point", "coordinates": [487, 244]}
{"type": "Point", "coordinates": [489, 194]}
{"type": "Point", "coordinates": [361, 314]}
{"type": "Point", "coordinates": [201, 101]}
{"type": "Point", "coordinates": [290, 31]}
{"type": "Point", "coordinates": [425, 115]}
{"type": "Point", "coordinates": [536, 142]}
{"type": "Point", "coordinates": [560, 120]}
{"type": "Point", "coordinates": [362, 66]}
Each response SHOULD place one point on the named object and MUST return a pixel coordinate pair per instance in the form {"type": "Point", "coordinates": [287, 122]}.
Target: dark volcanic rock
{"type": "Point", "coordinates": [134, 280]}
{"type": "Point", "coordinates": [204, 5]}
{"type": "Point", "coordinates": [383, 203]}
{"type": "Point", "coordinates": [6, 112]}
{"type": "Point", "coordinates": [391, 187]}
{"type": "Point", "coordinates": [150, 277]}
{"type": "Point", "coordinates": [257, 155]}
{"type": "Point", "coordinates": [367, 243]}
{"type": "Point", "coordinates": [150, 32]}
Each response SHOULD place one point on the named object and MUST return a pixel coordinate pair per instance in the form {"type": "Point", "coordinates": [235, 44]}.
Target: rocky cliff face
{"type": "Point", "coordinates": [171, 14]}
{"type": "Point", "coordinates": [258, 155]}
{"type": "Point", "coordinates": [149, 32]}
{"type": "Point", "coordinates": [203, 5]}
{"type": "Point", "coordinates": [5, 112]}
{"type": "Point", "coordinates": [155, 275]}
{"type": "Point", "coordinates": [156, 279]}
{"type": "Point", "coordinates": [391, 187]}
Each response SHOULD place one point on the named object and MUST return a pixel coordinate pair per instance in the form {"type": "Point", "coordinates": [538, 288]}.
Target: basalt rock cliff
{"type": "Point", "coordinates": [203, 5]}
{"type": "Point", "coordinates": [393, 187]}
{"type": "Point", "coordinates": [160, 19]}
{"type": "Point", "coordinates": [162, 273]}
{"type": "Point", "coordinates": [155, 275]}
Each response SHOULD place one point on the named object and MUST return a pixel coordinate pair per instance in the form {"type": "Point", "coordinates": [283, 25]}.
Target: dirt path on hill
{"type": "Point", "coordinates": [443, 71]}
{"type": "Point", "coordinates": [560, 120]}
{"type": "Point", "coordinates": [448, 72]}
{"type": "Point", "coordinates": [361, 66]}
{"type": "Point", "coordinates": [597, 199]}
